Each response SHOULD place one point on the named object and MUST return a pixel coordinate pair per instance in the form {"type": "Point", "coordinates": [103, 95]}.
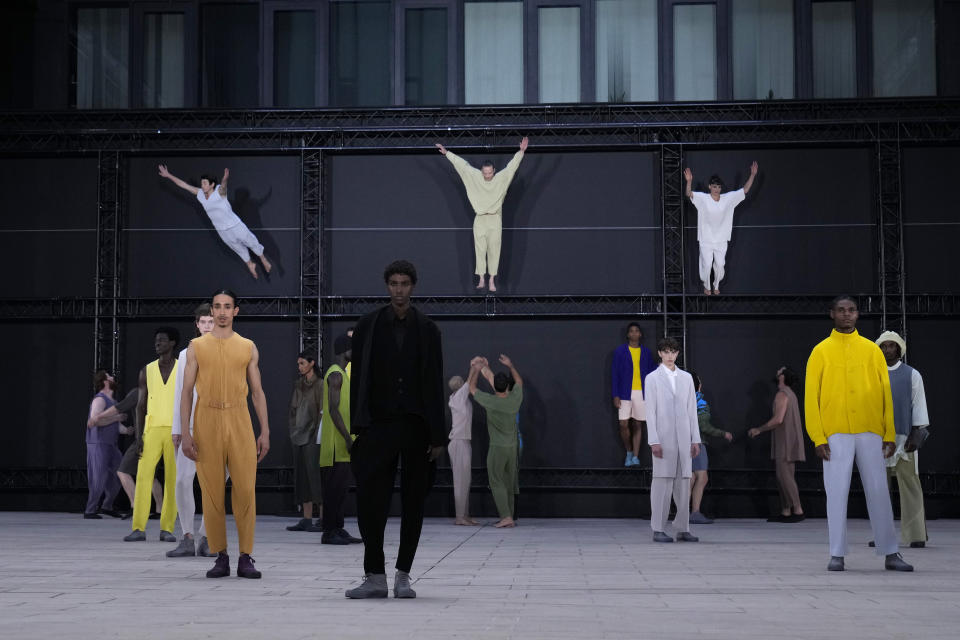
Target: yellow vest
{"type": "Point", "coordinates": [848, 389]}
{"type": "Point", "coordinates": [332, 446]}
{"type": "Point", "coordinates": [160, 396]}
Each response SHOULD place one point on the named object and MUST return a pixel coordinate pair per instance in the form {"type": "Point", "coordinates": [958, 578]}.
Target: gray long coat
{"type": "Point", "coordinates": [671, 422]}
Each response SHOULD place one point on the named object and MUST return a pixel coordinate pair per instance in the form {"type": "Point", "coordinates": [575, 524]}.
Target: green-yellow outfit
{"type": "Point", "coordinates": [486, 197]}
{"type": "Point", "coordinates": [333, 448]}
{"type": "Point", "coordinates": [502, 454]}
{"type": "Point", "coordinates": [157, 442]}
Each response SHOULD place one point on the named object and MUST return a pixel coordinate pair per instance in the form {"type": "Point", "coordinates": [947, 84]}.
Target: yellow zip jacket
{"type": "Point", "coordinates": [848, 389]}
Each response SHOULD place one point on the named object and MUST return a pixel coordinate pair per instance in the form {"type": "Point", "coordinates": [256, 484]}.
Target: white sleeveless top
{"type": "Point", "coordinates": [218, 210]}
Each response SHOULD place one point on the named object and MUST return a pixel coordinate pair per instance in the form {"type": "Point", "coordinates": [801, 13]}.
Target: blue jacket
{"type": "Point", "coordinates": [623, 370]}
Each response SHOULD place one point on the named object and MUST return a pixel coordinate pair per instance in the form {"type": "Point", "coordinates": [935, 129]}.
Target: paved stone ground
{"type": "Point", "coordinates": [65, 577]}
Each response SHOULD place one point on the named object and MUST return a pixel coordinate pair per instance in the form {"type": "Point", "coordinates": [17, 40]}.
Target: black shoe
{"type": "Point", "coordinates": [919, 544]}
{"type": "Point", "coordinates": [92, 516]}
{"type": "Point", "coordinates": [221, 567]}
{"type": "Point", "coordinates": [245, 568]}
{"type": "Point", "coordinates": [349, 538]}
{"type": "Point", "coordinates": [871, 544]}
{"type": "Point", "coordinates": [778, 518]}
{"type": "Point", "coordinates": [316, 527]}
{"type": "Point", "coordinates": [333, 537]}
{"type": "Point", "coordinates": [303, 525]}
{"type": "Point", "coordinates": [113, 513]}
{"type": "Point", "coordinates": [686, 536]}
{"type": "Point", "coordinates": [796, 517]}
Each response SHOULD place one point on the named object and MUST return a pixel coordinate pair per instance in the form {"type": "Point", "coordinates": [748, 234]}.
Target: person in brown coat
{"type": "Point", "coordinates": [786, 444]}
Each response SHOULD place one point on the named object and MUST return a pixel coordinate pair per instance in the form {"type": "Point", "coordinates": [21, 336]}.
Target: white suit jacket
{"type": "Point", "coordinates": [671, 422]}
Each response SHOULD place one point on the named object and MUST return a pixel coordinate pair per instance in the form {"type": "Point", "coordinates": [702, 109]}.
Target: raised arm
{"type": "Point", "coordinates": [507, 362]}
{"type": "Point", "coordinates": [475, 366]}
{"type": "Point", "coordinates": [259, 403]}
{"type": "Point", "coordinates": [486, 371]}
{"type": "Point", "coordinates": [177, 181]}
{"type": "Point", "coordinates": [753, 174]}
{"type": "Point", "coordinates": [688, 177]}
{"type": "Point", "coordinates": [334, 385]}
{"type": "Point", "coordinates": [223, 183]}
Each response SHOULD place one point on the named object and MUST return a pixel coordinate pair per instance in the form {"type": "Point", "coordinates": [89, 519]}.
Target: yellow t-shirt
{"type": "Point", "coordinates": [637, 378]}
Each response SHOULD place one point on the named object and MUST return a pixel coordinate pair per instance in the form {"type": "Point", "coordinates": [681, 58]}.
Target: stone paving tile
{"type": "Point", "coordinates": [558, 579]}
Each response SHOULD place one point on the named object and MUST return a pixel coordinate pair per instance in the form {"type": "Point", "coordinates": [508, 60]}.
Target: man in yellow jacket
{"type": "Point", "coordinates": [849, 413]}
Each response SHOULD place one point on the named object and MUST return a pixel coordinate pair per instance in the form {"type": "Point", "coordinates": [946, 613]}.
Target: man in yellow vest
{"type": "Point", "coordinates": [158, 381]}
{"type": "Point", "coordinates": [225, 367]}
{"type": "Point", "coordinates": [335, 445]}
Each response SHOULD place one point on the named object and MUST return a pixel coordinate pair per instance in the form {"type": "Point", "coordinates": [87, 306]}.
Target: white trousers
{"type": "Point", "coordinates": [867, 449]}
{"type": "Point", "coordinates": [660, 490]}
{"type": "Point", "coordinates": [186, 472]}
{"type": "Point", "coordinates": [712, 255]}
{"type": "Point", "coordinates": [241, 241]}
{"type": "Point", "coordinates": [461, 459]}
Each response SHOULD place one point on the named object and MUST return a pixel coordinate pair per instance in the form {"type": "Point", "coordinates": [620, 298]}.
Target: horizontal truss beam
{"type": "Point", "coordinates": [333, 307]}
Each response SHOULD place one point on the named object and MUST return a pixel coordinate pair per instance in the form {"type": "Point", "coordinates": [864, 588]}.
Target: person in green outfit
{"type": "Point", "coordinates": [502, 407]}
{"type": "Point", "coordinates": [699, 480]}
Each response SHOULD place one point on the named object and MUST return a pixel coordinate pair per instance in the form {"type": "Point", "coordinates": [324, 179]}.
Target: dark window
{"type": "Point", "coordinates": [231, 45]}
{"type": "Point", "coordinates": [360, 50]}
{"type": "Point", "coordinates": [294, 58]}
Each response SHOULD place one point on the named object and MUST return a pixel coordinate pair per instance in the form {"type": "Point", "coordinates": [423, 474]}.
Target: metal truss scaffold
{"type": "Point", "coordinates": [110, 189]}
{"type": "Point", "coordinates": [672, 190]}
{"type": "Point", "coordinates": [890, 226]}
{"type": "Point", "coordinates": [311, 189]}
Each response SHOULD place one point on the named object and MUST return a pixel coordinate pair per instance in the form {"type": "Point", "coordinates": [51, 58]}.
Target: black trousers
{"type": "Point", "coordinates": [335, 481]}
{"type": "Point", "coordinates": [375, 455]}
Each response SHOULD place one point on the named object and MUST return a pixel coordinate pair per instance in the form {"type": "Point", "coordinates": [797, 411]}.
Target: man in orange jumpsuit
{"type": "Point", "coordinates": [224, 366]}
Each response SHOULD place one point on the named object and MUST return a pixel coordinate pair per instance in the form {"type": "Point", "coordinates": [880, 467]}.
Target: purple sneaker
{"type": "Point", "coordinates": [245, 568]}
{"type": "Point", "coordinates": [221, 567]}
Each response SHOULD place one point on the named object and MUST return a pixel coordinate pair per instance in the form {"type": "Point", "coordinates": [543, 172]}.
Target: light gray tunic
{"type": "Point", "coordinates": [671, 422]}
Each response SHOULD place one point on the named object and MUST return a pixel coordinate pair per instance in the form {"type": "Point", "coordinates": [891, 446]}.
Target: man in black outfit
{"type": "Point", "coordinates": [397, 413]}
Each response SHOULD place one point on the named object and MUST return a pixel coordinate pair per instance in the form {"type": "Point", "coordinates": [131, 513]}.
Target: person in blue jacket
{"type": "Point", "coordinates": [631, 364]}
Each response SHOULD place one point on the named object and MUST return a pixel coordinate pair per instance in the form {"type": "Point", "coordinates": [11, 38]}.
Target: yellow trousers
{"type": "Point", "coordinates": [487, 230]}
{"type": "Point", "coordinates": [225, 439]}
{"type": "Point", "coordinates": [156, 443]}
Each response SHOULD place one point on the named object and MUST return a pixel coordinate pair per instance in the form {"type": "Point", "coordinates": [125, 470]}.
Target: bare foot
{"type": "Point", "coordinates": [481, 284]}
{"type": "Point", "coordinates": [493, 287]}
{"type": "Point", "coordinates": [506, 523]}
{"type": "Point", "coordinates": [466, 522]}
{"type": "Point", "coordinates": [266, 263]}
{"type": "Point", "coordinates": [716, 292]}
{"type": "Point", "coordinates": [253, 269]}
{"type": "Point", "coordinates": [706, 292]}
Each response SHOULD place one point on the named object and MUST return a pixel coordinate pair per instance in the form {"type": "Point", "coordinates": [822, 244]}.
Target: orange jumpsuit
{"type": "Point", "coordinates": [224, 437]}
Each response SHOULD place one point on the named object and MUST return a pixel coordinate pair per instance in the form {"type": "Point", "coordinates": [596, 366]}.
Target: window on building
{"type": "Point", "coordinates": [103, 58]}
{"type": "Point", "coordinates": [834, 50]}
{"type": "Point", "coordinates": [904, 50]}
{"type": "Point", "coordinates": [163, 60]}
{"type": "Point", "coordinates": [493, 52]}
{"type": "Point", "coordinates": [294, 58]}
{"type": "Point", "coordinates": [559, 55]}
{"type": "Point", "coordinates": [425, 56]}
{"type": "Point", "coordinates": [694, 52]}
{"type": "Point", "coordinates": [231, 55]}
{"type": "Point", "coordinates": [626, 41]}
{"type": "Point", "coordinates": [763, 52]}
{"type": "Point", "coordinates": [360, 54]}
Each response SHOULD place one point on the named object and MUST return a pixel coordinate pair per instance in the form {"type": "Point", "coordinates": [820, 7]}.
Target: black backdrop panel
{"type": "Point", "coordinates": [46, 424]}
{"type": "Point", "coordinates": [278, 344]}
{"type": "Point", "coordinates": [799, 260]}
{"type": "Point", "coordinates": [930, 219]}
{"type": "Point", "coordinates": [573, 223]}
{"type": "Point", "coordinates": [567, 418]}
{"type": "Point", "coordinates": [48, 228]}
{"type": "Point", "coordinates": [170, 247]}
{"type": "Point", "coordinates": [933, 352]}
{"type": "Point", "coordinates": [807, 225]}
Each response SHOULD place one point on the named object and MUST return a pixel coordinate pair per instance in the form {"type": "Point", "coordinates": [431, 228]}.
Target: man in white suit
{"type": "Point", "coordinates": [674, 438]}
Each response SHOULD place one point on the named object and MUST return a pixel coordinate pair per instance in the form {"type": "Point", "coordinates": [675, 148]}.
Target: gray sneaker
{"type": "Point", "coordinates": [698, 518]}
{"type": "Point", "coordinates": [894, 562]}
{"type": "Point", "coordinates": [166, 536]}
{"type": "Point", "coordinates": [401, 586]}
{"type": "Point", "coordinates": [184, 549]}
{"type": "Point", "coordinates": [135, 536]}
{"type": "Point", "coordinates": [374, 586]}
{"type": "Point", "coordinates": [660, 536]}
{"type": "Point", "coordinates": [686, 536]}
{"type": "Point", "coordinates": [203, 549]}
{"type": "Point", "coordinates": [836, 564]}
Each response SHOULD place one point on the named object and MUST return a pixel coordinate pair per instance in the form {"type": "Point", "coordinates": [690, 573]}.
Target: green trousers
{"type": "Point", "coordinates": [913, 524]}
{"type": "Point", "coordinates": [502, 474]}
